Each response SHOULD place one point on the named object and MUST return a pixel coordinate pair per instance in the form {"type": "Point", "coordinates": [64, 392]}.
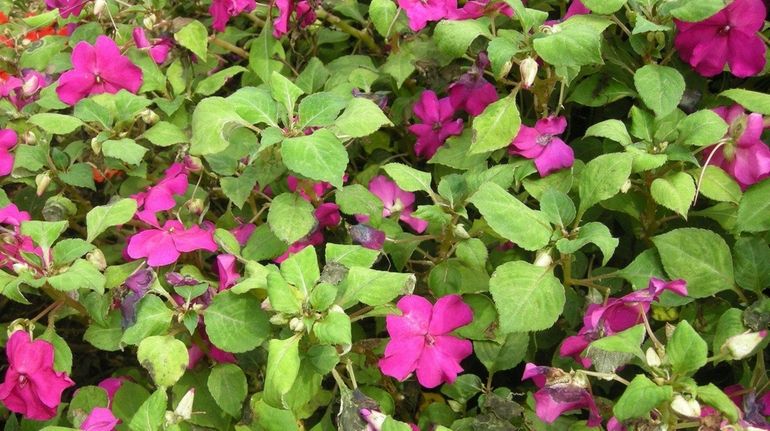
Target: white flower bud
{"type": "Point", "coordinates": [30, 86]}
{"type": "Point", "coordinates": [99, 6]}
{"type": "Point", "coordinates": [460, 232]}
{"type": "Point", "coordinates": [625, 187]}
{"type": "Point", "coordinates": [29, 138]}
{"type": "Point", "coordinates": [42, 181]}
{"type": "Point", "coordinates": [543, 258]}
{"type": "Point", "coordinates": [149, 21]}
{"type": "Point", "coordinates": [184, 408]}
{"type": "Point", "coordinates": [741, 345]}
{"type": "Point", "coordinates": [96, 257]}
{"type": "Point", "coordinates": [652, 357]}
{"type": "Point", "coordinates": [149, 116]}
{"type": "Point", "coordinates": [279, 319]}
{"type": "Point", "coordinates": [296, 324]}
{"type": "Point", "coordinates": [20, 267]}
{"type": "Point", "coordinates": [196, 206]}
{"type": "Point", "coordinates": [528, 69]}
{"type": "Point", "coordinates": [689, 408]}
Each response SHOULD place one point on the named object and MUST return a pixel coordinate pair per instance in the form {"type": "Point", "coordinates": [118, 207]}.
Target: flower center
{"type": "Point", "coordinates": [724, 30]}
{"type": "Point", "coordinates": [437, 126]}
{"type": "Point", "coordinates": [98, 79]}
{"type": "Point", "coordinates": [544, 139]}
{"type": "Point", "coordinates": [22, 380]}
{"type": "Point", "coordinates": [430, 340]}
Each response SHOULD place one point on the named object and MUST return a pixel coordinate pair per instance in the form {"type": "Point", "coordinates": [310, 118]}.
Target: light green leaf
{"type": "Point", "coordinates": [614, 130]}
{"type": "Point", "coordinates": [373, 287]}
{"type": "Point", "coordinates": [408, 178]}
{"type": "Point", "coordinates": [194, 36]}
{"type": "Point", "coordinates": [751, 256]}
{"type": "Point", "coordinates": [320, 156]}
{"type": "Point", "coordinates": [333, 329]}
{"type": "Point", "coordinates": [255, 105]}
{"type": "Point", "coordinates": [753, 101]}
{"type": "Point", "coordinates": [592, 232]}
{"type": "Point", "coordinates": [627, 341]}
{"type": "Point", "coordinates": [686, 350]}
{"type": "Point", "coordinates": [228, 387]}
{"type": "Point", "coordinates": [357, 199]}
{"type": "Point", "coordinates": [55, 124]}
{"type": "Point", "coordinates": [701, 128]}
{"type": "Point", "coordinates": [100, 218]}
{"type": "Point", "coordinates": [165, 134]}
{"type": "Point", "coordinates": [282, 369]}
{"type": "Point", "coordinates": [754, 208]}
{"type": "Point", "coordinates": [716, 184]}
{"type": "Point", "coordinates": [213, 120]}
{"type": "Point", "coordinates": [576, 43]}
{"type": "Point", "coordinates": [124, 149]}
{"type": "Point", "coordinates": [81, 275]}
{"type": "Point", "coordinates": [239, 188]}
{"type": "Point", "coordinates": [151, 414]}
{"type": "Point", "coordinates": [236, 323]}
{"type": "Point", "coordinates": [454, 37]}
{"type": "Point", "coordinates": [640, 397]}
{"type": "Point", "coordinates": [211, 84]}
{"type": "Point", "coordinates": [44, 233]}
{"type": "Point", "coordinates": [153, 317]}
{"type": "Point", "coordinates": [693, 10]}
{"type": "Point", "coordinates": [320, 109]}
{"type": "Point", "coordinates": [284, 91]}
{"type": "Point", "coordinates": [604, 7]}
{"type": "Point", "coordinates": [496, 127]}
{"type": "Point", "coordinates": [361, 117]}
{"type": "Point", "coordinates": [67, 250]}
{"type": "Point", "coordinates": [602, 178]}
{"type": "Point", "coordinates": [675, 191]}
{"type": "Point", "coordinates": [660, 87]}
{"type": "Point", "coordinates": [164, 357]}
{"type": "Point", "coordinates": [713, 396]}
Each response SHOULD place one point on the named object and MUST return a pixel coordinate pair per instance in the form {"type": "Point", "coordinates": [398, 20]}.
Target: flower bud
{"type": "Point", "coordinates": [183, 410]}
{"type": "Point", "coordinates": [543, 258]}
{"type": "Point", "coordinates": [149, 116]}
{"type": "Point", "coordinates": [99, 6]}
{"type": "Point", "coordinates": [279, 319]}
{"type": "Point", "coordinates": [96, 257]}
{"type": "Point", "coordinates": [193, 164]}
{"type": "Point", "coordinates": [460, 232]}
{"type": "Point", "coordinates": [196, 205]}
{"type": "Point", "coordinates": [20, 267]}
{"type": "Point", "coordinates": [652, 357]}
{"type": "Point", "coordinates": [29, 138]}
{"type": "Point", "coordinates": [528, 69]}
{"type": "Point", "coordinates": [266, 306]}
{"type": "Point", "coordinates": [31, 85]}
{"type": "Point", "coordinates": [625, 187]}
{"type": "Point", "coordinates": [689, 408]}
{"type": "Point", "coordinates": [741, 345]}
{"type": "Point", "coordinates": [296, 324]}
{"type": "Point", "coordinates": [149, 21]}
{"type": "Point", "coordinates": [42, 181]}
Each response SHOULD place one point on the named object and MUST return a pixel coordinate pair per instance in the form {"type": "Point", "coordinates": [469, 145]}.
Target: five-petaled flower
{"type": "Point", "coordinates": [98, 68]}
{"type": "Point", "coordinates": [222, 10]}
{"type": "Point", "coordinates": [421, 340]}
{"type": "Point", "coordinates": [560, 392]}
{"type": "Point", "coordinates": [471, 92]}
{"type": "Point", "coordinates": [437, 126]}
{"type": "Point", "coordinates": [728, 37]}
{"type": "Point", "coordinates": [160, 197]}
{"type": "Point", "coordinates": [395, 201]}
{"type": "Point", "coordinates": [32, 387]}
{"type": "Point", "coordinates": [163, 246]}
{"type": "Point", "coordinates": [542, 143]}
{"type": "Point", "coordinates": [420, 12]}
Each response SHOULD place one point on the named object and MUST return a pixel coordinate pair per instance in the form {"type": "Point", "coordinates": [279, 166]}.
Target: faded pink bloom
{"type": "Point", "coordinates": [421, 340]}
{"type": "Point", "coordinates": [8, 84]}
{"type": "Point", "coordinates": [303, 10]}
{"type": "Point", "coordinates": [13, 243]}
{"type": "Point", "coordinates": [437, 126]}
{"type": "Point", "coordinates": [328, 215]}
{"type": "Point", "coordinates": [226, 271]}
{"type": "Point", "coordinates": [32, 387]}
{"type": "Point", "coordinates": [367, 236]}
{"type": "Point", "coordinates": [542, 144]}
{"type": "Point", "coordinates": [395, 201]}
{"type": "Point", "coordinates": [728, 37]}
{"type": "Point", "coordinates": [100, 419]}
{"type": "Point", "coordinates": [158, 48]}
{"type": "Point", "coordinates": [559, 392]}
{"type": "Point", "coordinates": [745, 157]}
{"type": "Point", "coordinates": [22, 92]}
{"type": "Point", "coordinates": [99, 68]}
{"type": "Point", "coordinates": [67, 7]}
{"type": "Point", "coordinates": [471, 92]}
{"type": "Point", "coordinates": [222, 10]}
{"type": "Point", "coordinates": [8, 140]}
{"type": "Point", "coordinates": [375, 419]}
{"type": "Point", "coordinates": [420, 12]}
{"type": "Point", "coordinates": [163, 246]}
{"type": "Point", "coordinates": [160, 197]}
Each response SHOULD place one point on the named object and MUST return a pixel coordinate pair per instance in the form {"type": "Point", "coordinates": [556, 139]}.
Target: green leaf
{"type": "Point", "coordinates": [81, 275]}
{"type": "Point", "coordinates": [165, 134]}
{"type": "Point", "coordinates": [83, 401]}
{"type": "Point", "coordinates": [602, 178]}
{"type": "Point", "coordinates": [211, 84]}
{"type": "Point", "coordinates": [124, 149]}
{"type": "Point", "coordinates": [576, 43]}
{"type": "Point", "coordinates": [751, 257]}
{"type": "Point", "coordinates": [511, 218]}
{"type": "Point", "coordinates": [320, 109]}
{"type": "Point", "coordinates": [153, 317]}
{"type": "Point", "coordinates": [55, 124]}
{"type": "Point", "coordinates": [408, 178]}
{"type": "Point", "coordinates": [594, 233]}
{"type": "Point", "coordinates": [675, 191]}
{"type": "Point", "coordinates": [320, 156]}
{"type": "Point", "coordinates": [151, 414]}
{"type": "Point", "coordinates": [62, 355]}
{"type": "Point", "coordinates": [100, 218]}
{"type": "Point", "coordinates": [529, 297]}
{"type": "Point", "coordinates": [558, 207]}
{"type": "Point", "coordinates": [78, 175]}
{"type": "Point", "coordinates": [501, 357]}
{"type": "Point", "coordinates": [694, 10]}
{"type": "Point", "coordinates": [356, 199]}
{"type": "Point", "coordinates": [496, 127]}
{"type": "Point", "coordinates": [599, 90]}
{"type": "Point", "coordinates": [334, 328]}
{"type": "Point", "coordinates": [194, 36]}
{"type": "Point", "coordinates": [290, 217]}
{"type": "Point", "coordinates": [44, 233]}
{"type": "Point", "coordinates": [373, 287]}
{"type": "Point", "coordinates": [715, 397]}
{"type": "Point", "coordinates": [400, 65]}
{"type": "Point", "coordinates": [627, 341]}
{"type": "Point", "coordinates": [350, 255]}
{"type": "Point", "coordinates": [716, 184]}
{"type": "Point", "coordinates": [239, 188]}
{"type": "Point", "coordinates": [640, 397]}
{"type": "Point", "coordinates": [754, 208]}
{"type": "Point", "coordinates": [67, 250]}
{"type": "Point", "coordinates": [236, 323]}
{"type": "Point", "coordinates": [262, 54]}
{"type": "Point", "coordinates": [730, 324]}
{"type": "Point", "coordinates": [701, 128]}
{"type": "Point", "coordinates": [263, 244]}
{"type": "Point", "coordinates": [613, 130]}
{"type": "Point", "coordinates": [660, 87]}
{"type": "Point", "coordinates": [301, 270]}
{"type": "Point", "coordinates": [313, 76]}
{"type": "Point", "coordinates": [284, 91]}
{"type": "Point", "coordinates": [164, 357]}
{"type": "Point", "coordinates": [255, 105]}
{"type": "Point", "coordinates": [699, 256]}
{"type": "Point", "coordinates": [383, 13]}
{"type": "Point", "coordinates": [604, 7]}
{"type": "Point", "coordinates": [90, 111]}
{"type": "Point", "coordinates": [213, 120]}
{"type": "Point", "coordinates": [686, 350]}
{"type": "Point", "coordinates": [361, 117]}
{"type": "Point", "coordinates": [454, 37]}
{"type": "Point", "coordinates": [282, 369]}
{"type": "Point", "coordinates": [284, 297]}
{"type": "Point", "coordinates": [751, 100]}
{"type": "Point", "coordinates": [228, 387]}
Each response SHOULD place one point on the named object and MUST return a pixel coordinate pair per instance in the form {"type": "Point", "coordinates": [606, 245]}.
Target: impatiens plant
{"type": "Point", "coordinates": [384, 215]}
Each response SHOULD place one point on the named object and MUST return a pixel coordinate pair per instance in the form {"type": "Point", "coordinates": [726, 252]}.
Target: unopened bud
{"type": "Point", "coordinates": [20, 267]}
{"type": "Point", "coordinates": [96, 257]}
{"type": "Point", "coordinates": [652, 357]}
{"type": "Point", "coordinates": [31, 85]}
{"type": "Point", "coordinates": [42, 181]}
{"type": "Point", "coordinates": [195, 205]}
{"type": "Point", "coordinates": [183, 410]}
{"type": "Point", "coordinates": [29, 138]}
{"type": "Point", "coordinates": [99, 6]}
{"type": "Point", "coordinates": [296, 324]}
{"type": "Point", "coordinates": [543, 259]}
{"type": "Point", "coordinates": [193, 164]}
{"type": "Point", "coordinates": [625, 187]}
{"type": "Point", "coordinates": [460, 232]}
{"type": "Point", "coordinates": [279, 319]}
{"type": "Point", "coordinates": [266, 306]}
{"type": "Point", "coordinates": [149, 21]}
{"type": "Point", "coordinates": [373, 418]}
{"type": "Point", "coordinates": [149, 116]}
{"type": "Point", "coordinates": [505, 69]}
{"type": "Point", "coordinates": [689, 408]}
{"type": "Point", "coordinates": [528, 69]}
{"type": "Point", "coordinates": [742, 345]}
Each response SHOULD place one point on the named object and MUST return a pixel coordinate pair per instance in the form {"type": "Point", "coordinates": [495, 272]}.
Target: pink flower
{"type": "Point", "coordinates": [395, 201]}
{"type": "Point", "coordinates": [477, 8]}
{"type": "Point", "coordinates": [328, 215]}
{"type": "Point", "coordinates": [437, 126]}
{"type": "Point", "coordinates": [11, 215]}
{"type": "Point", "coordinates": [31, 385]}
{"type": "Point", "coordinates": [222, 10]}
{"type": "Point", "coordinates": [311, 191]}
{"type": "Point", "coordinates": [158, 48]}
{"type": "Point", "coordinates": [472, 93]}
{"type": "Point", "coordinates": [243, 232]}
{"type": "Point", "coordinates": [367, 236]}
{"type": "Point", "coordinates": [420, 340]}
{"type": "Point", "coordinates": [745, 157]}
{"type": "Point", "coordinates": [303, 10]}
{"type": "Point", "coordinates": [23, 91]}
{"type": "Point", "coordinates": [8, 140]}
{"type": "Point", "coordinates": [420, 12]}
{"type": "Point", "coordinates": [67, 7]}
{"type": "Point", "coordinates": [575, 8]}
{"type": "Point", "coordinates": [99, 68]}
{"type": "Point", "coordinates": [560, 392]}
{"type": "Point", "coordinates": [100, 419]}
{"type": "Point", "coordinates": [542, 144]}
{"type": "Point", "coordinates": [111, 385]}
{"type": "Point", "coordinates": [375, 419]}
{"type": "Point", "coordinates": [8, 84]}
{"type": "Point", "coordinates": [164, 246]}
{"type": "Point", "coordinates": [226, 271]}
{"type": "Point", "coordinates": [314, 238]}
{"type": "Point", "coordinates": [160, 197]}
{"type": "Point", "coordinates": [14, 243]}
{"type": "Point", "coordinates": [729, 36]}
{"type": "Point", "coordinates": [196, 352]}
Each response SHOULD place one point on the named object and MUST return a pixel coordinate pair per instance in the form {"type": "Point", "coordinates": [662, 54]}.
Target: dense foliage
{"type": "Point", "coordinates": [384, 215]}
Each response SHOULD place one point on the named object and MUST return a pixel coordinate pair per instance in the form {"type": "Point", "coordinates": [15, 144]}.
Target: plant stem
{"type": "Point", "coordinates": [347, 28]}
{"type": "Point", "coordinates": [229, 46]}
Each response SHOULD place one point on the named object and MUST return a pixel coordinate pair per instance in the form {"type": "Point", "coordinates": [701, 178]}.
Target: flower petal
{"type": "Point", "coordinates": [449, 313]}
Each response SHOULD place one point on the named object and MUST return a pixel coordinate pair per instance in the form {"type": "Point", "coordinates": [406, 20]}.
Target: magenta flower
{"type": "Point", "coordinates": [303, 10]}
{"type": "Point", "coordinates": [111, 385]}
{"type": "Point", "coordinates": [421, 340]}
{"type": "Point", "coordinates": [745, 157]}
{"type": "Point", "coordinates": [730, 36]}
{"type": "Point", "coordinates": [160, 197]}
{"type": "Point", "coordinates": [222, 10]}
{"type": "Point", "coordinates": [206, 349]}
{"type": "Point", "coordinates": [477, 8]}
{"type": "Point", "coordinates": [14, 243]}
{"type": "Point", "coordinates": [11, 215]}
{"type": "Point", "coordinates": [22, 92]}
{"type": "Point", "coordinates": [163, 246]}
{"type": "Point", "coordinates": [437, 126]}
{"type": "Point", "coordinates": [158, 48]}
{"type": "Point", "coordinates": [32, 387]}
{"type": "Point", "coordinates": [575, 8]}
{"type": "Point", "coordinates": [471, 92]}
{"type": "Point", "coordinates": [243, 232]}
{"type": "Point", "coordinates": [395, 201]}
{"type": "Point", "coordinates": [314, 238]}
{"type": "Point", "coordinates": [226, 271]}
{"type": "Point", "coordinates": [367, 236]}
{"type": "Point", "coordinates": [8, 84]}
{"type": "Point", "coordinates": [98, 68]}
{"type": "Point", "coordinates": [542, 144]}
{"type": "Point", "coordinates": [420, 12]}
{"type": "Point", "coordinates": [67, 7]}
{"type": "Point", "coordinates": [8, 140]}
{"type": "Point", "coordinates": [560, 392]}
{"type": "Point", "coordinates": [100, 419]}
